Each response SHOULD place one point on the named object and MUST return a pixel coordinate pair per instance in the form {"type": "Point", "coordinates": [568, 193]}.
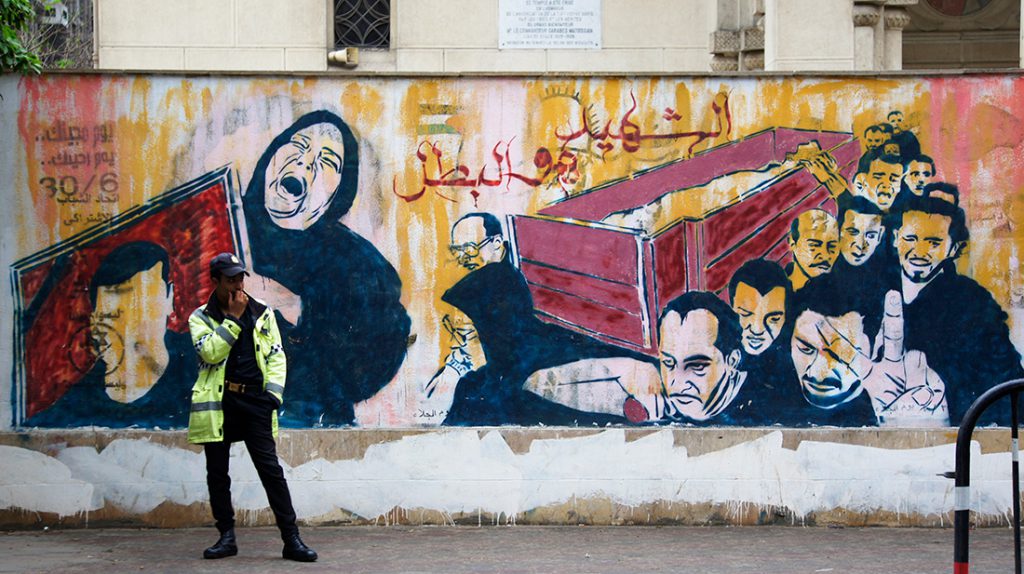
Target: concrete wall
{"type": "Point", "coordinates": [616, 203]}
{"type": "Point", "coordinates": [430, 36]}
{"type": "Point", "coordinates": [792, 44]}
{"type": "Point", "coordinates": [230, 35]}
{"type": "Point", "coordinates": [435, 36]}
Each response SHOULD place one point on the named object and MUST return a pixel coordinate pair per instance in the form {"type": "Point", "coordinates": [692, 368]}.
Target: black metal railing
{"type": "Point", "coordinates": [962, 475]}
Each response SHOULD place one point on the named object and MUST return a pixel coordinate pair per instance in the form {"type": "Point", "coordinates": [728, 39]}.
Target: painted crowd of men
{"type": "Point", "coordinates": [870, 324]}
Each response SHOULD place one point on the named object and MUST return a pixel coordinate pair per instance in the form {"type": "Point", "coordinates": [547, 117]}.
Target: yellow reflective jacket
{"type": "Point", "coordinates": [213, 337]}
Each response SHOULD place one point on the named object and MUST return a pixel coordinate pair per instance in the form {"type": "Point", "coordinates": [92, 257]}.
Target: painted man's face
{"type": "Point", "coordinates": [761, 316]}
{"type": "Point", "coordinates": [817, 248]}
{"type": "Point", "coordinates": [303, 176]}
{"type": "Point", "coordinates": [896, 121]}
{"type": "Point", "coordinates": [882, 182]}
{"type": "Point", "coordinates": [694, 373]}
{"type": "Point", "coordinates": [919, 174]}
{"type": "Point", "coordinates": [127, 326]}
{"type": "Point", "coordinates": [859, 236]}
{"type": "Point", "coordinates": [826, 381]}
{"type": "Point", "coordinates": [923, 244]}
{"type": "Point", "coordinates": [471, 245]}
{"type": "Point", "coordinates": [873, 139]}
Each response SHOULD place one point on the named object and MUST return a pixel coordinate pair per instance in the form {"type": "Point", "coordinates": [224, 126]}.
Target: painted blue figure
{"type": "Point", "coordinates": [832, 385]}
{"type": "Point", "coordinates": [876, 142]}
{"type": "Point", "coordinates": [941, 190]}
{"type": "Point", "coordinates": [909, 147]}
{"type": "Point", "coordinates": [879, 178]}
{"type": "Point", "coordinates": [496, 298]}
{"type": "Point", "coordinates": [952, 318]}
{"type": "Point", "coordinates": [866, 262]}
{"type": "Point", "coordinates": [700, 348]}
{"type": "Point", "coordinates": [353, 331]}
{"type": "Point", "coordinates": [761, 297]}
{"type": "Point", "coordinates": [918, 171]}
{"type": "Point", "coordinates": [857, 367]}
{"type": "Point", "coordinates": [143, 371]}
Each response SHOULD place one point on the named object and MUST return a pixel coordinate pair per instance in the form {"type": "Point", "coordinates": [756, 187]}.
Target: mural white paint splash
{"type": "Point", "coordinates": [462, 472]}
{"type": "Point", "coordinates": [33, 481]}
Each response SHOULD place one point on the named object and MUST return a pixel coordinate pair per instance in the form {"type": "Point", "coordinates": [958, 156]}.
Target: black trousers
{"type": "Point", "coordinates": [247, 417]}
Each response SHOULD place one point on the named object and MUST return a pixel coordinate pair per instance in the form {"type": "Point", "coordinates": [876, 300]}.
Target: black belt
{"type": "Point", "coordinates": [245, 389]}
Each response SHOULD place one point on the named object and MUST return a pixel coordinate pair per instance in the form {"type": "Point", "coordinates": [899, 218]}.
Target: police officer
{"type": "Point", "coordinates": [236, 397]}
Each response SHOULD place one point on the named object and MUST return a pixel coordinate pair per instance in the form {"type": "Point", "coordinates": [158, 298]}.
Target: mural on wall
{"type": "Point", "coordinates": [101, 332]}
{"type": "Point", "coordinates": [349, 335]}
{"type": "Point", "coordinates": [523, 252]}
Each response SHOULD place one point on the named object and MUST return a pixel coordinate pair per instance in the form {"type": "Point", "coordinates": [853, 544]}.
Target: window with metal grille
{"type": "Point", "coordinates": [362, 23]}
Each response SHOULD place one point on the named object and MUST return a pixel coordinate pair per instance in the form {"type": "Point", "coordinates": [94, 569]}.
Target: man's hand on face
{"type": "Point", "coordinates": [237, 302]}
{"type": "Point", "coordinates": [902, 387]}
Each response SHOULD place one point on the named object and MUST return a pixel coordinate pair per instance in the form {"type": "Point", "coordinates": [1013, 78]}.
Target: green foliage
{"type": "Point", "coordinates": [15, 15]}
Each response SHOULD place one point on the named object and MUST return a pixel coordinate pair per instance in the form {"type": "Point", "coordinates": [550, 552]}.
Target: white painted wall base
{"type": "Point", "coordinates": [687, 476]}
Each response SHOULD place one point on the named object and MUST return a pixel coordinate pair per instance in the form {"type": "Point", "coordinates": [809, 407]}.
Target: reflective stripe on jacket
{"type": "Point", "coordinates": [213, 340]}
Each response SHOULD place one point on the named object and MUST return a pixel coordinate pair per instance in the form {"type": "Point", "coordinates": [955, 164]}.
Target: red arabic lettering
{"type": "Point", "coordinates": [566, 168]}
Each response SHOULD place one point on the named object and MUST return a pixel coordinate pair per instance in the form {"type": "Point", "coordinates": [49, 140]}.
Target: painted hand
{"type": "Point", "coordinates": [459, 363]}
{"type": "Point", "coordinates": [902, 387]}
{"type": "Point", "coordinates": [825, 169]}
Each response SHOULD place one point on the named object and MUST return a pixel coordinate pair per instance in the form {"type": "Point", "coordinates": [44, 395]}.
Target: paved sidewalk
{"type": "Point", "coordinates": [515, 549]}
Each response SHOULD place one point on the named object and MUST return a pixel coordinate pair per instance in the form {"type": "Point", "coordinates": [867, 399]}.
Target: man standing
{"type": "Point", "coordinates": [951, 318]}
{"type": "Point", "coordinates": [241, 381]}
{"type": "Point", "coordinates": [814, 241]}
{"type": "Point", "coordinates": [495, 297]}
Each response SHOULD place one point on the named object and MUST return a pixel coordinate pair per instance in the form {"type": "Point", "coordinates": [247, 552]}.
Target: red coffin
{"type": "Point", "coordinates": [612, 283]}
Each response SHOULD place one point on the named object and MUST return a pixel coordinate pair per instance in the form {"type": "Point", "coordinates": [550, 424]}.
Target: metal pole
{"type": "Point", "coordinates": [962, 507]}
{"type": "Point", "coordinates": [1016, 481]}
{"type": "Point", "coordinates": [962, 476]}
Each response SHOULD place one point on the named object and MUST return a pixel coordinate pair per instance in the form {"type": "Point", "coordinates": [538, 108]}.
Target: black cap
{"type": "Point", "coordinates": [227, 264]}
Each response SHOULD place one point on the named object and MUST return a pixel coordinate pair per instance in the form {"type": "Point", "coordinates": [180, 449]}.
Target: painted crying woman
{"type": "Point", "coordinates": [348, 336]}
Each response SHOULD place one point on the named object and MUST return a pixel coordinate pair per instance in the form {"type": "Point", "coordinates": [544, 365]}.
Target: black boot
{"type": "Point", "coordinates": [294, 549]}
{"type": "Point", "coordinates": [224, 547]}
